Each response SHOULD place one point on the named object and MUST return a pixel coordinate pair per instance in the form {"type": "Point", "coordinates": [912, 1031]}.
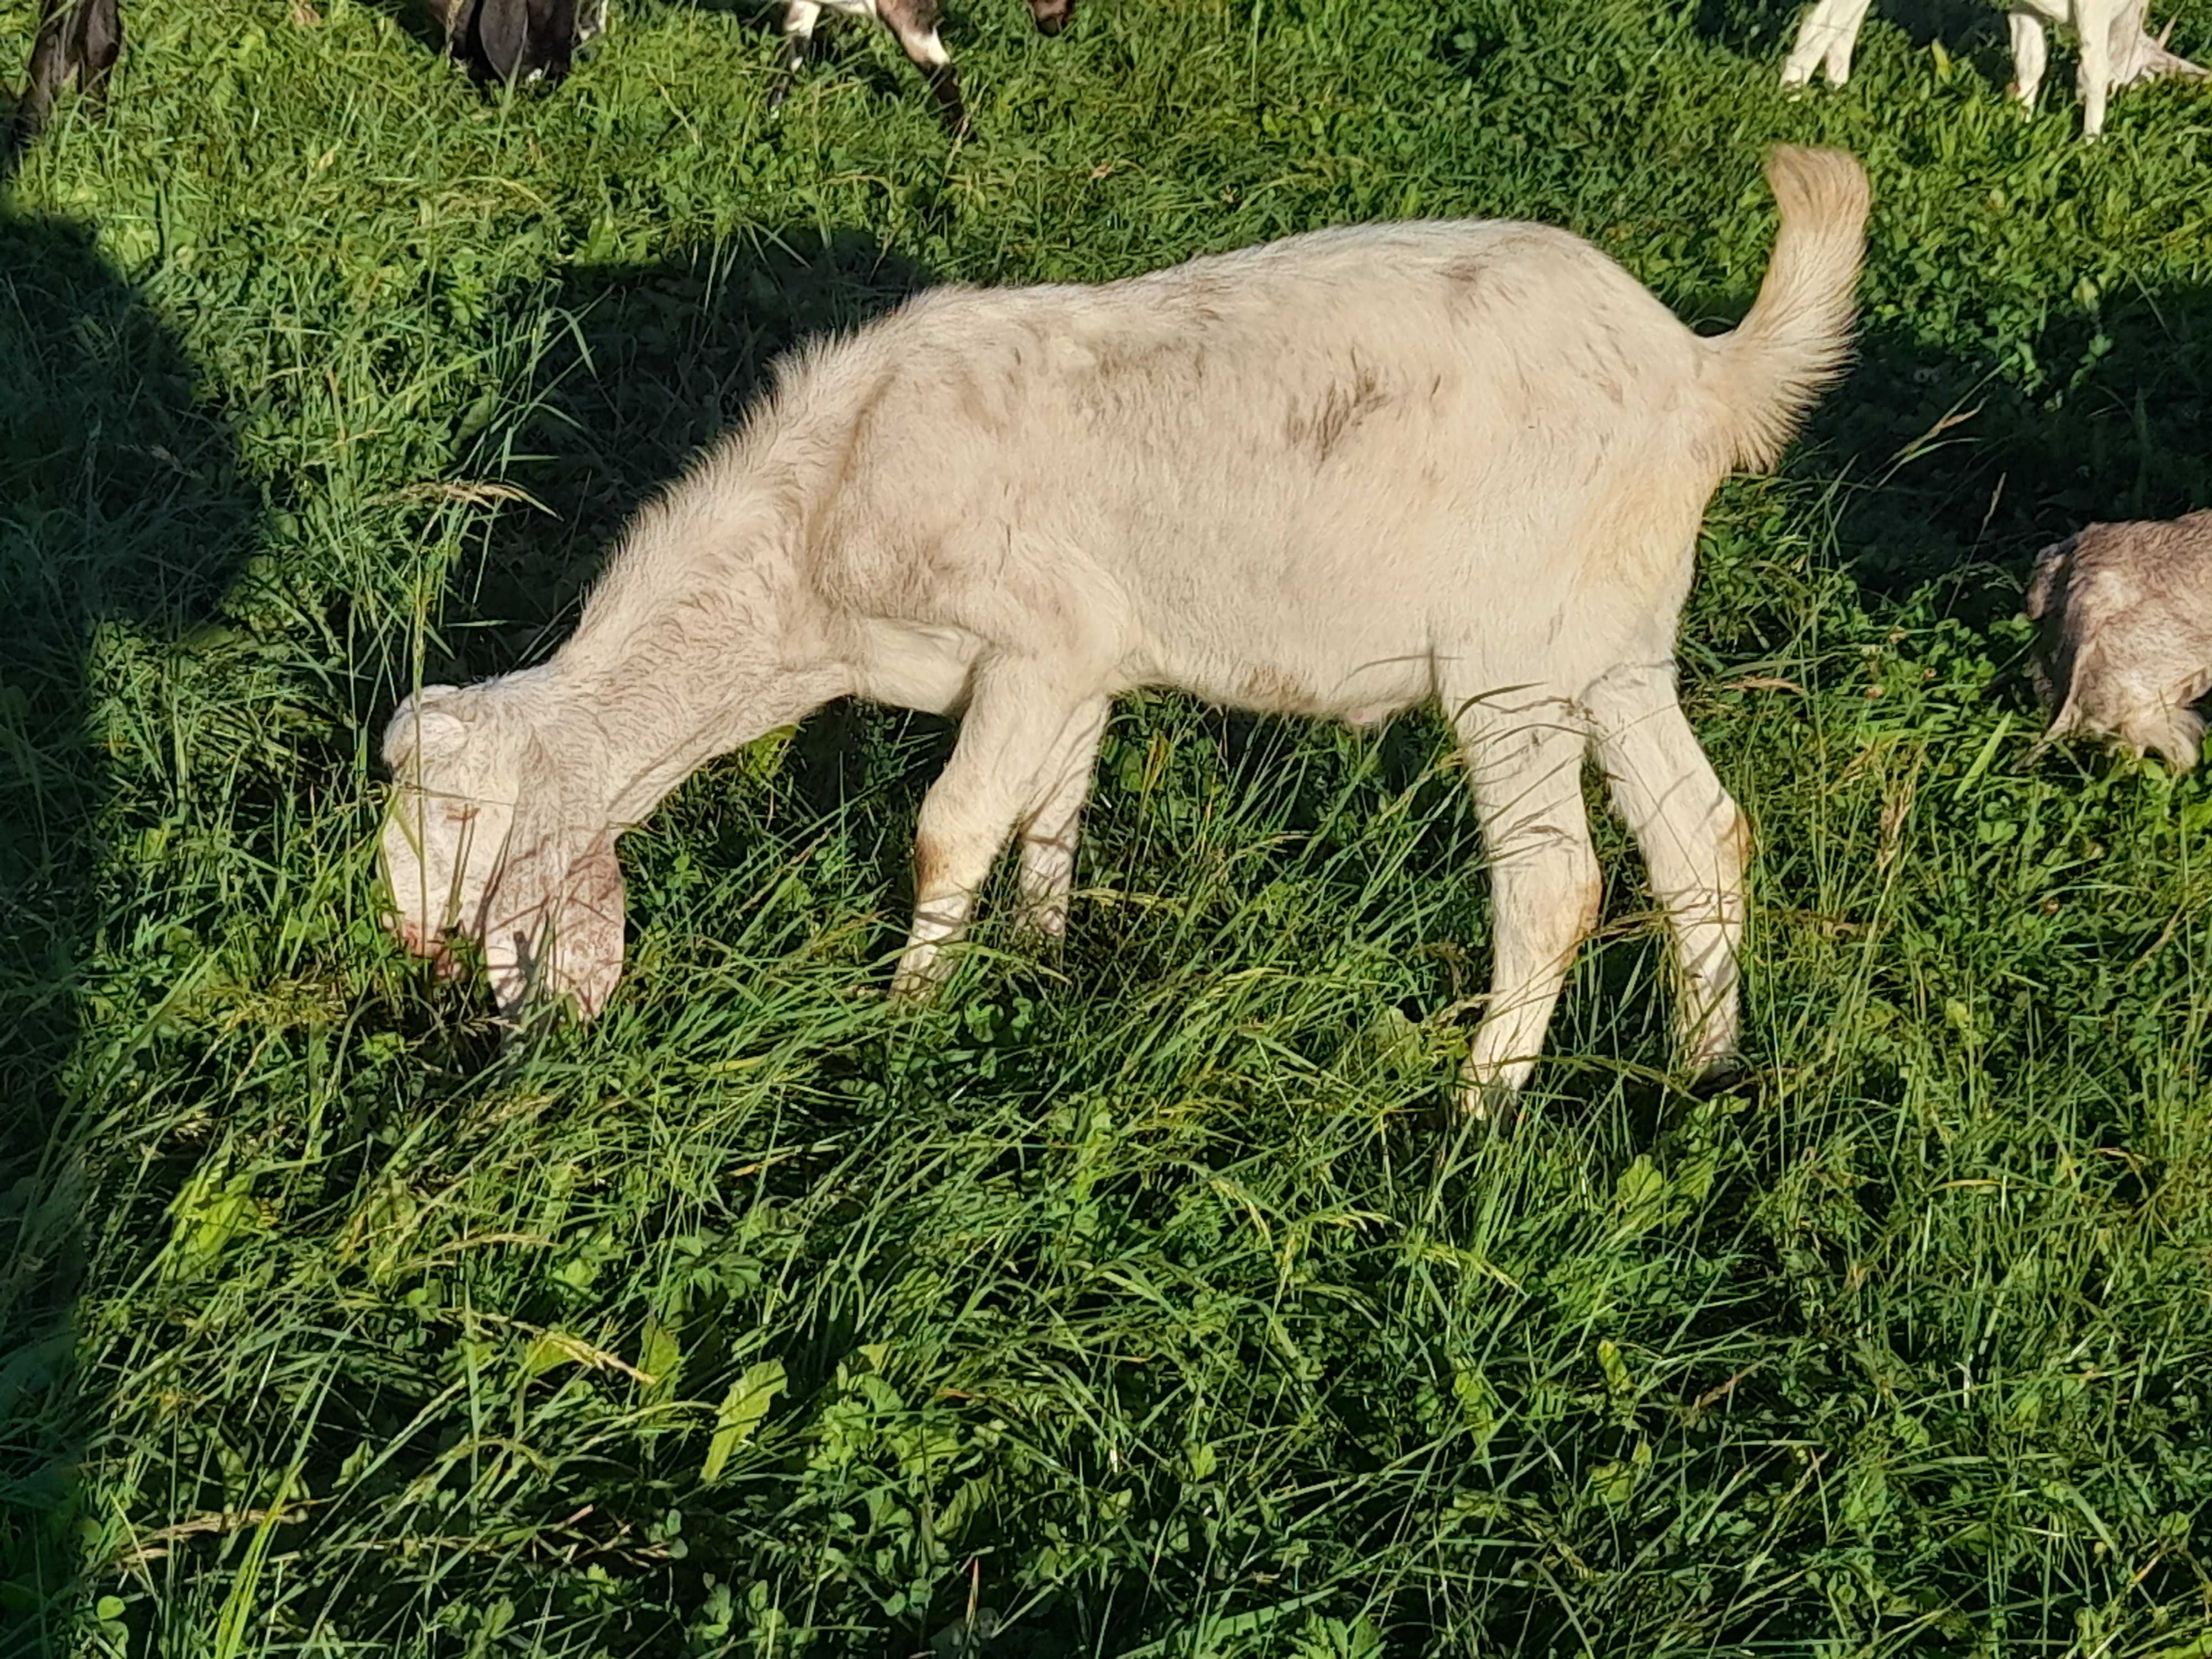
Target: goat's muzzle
{"type": "Point", "coordinates": [431, 946]}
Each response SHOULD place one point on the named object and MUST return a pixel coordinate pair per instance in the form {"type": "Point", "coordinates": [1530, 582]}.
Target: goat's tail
{"type": "Point", "coordinates": [1793, 343]}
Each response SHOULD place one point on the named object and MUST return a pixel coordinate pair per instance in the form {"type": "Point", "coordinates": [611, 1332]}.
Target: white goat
{"type": "Point", "coordinates": [1335, 475]}
{"type": "Point", "coordinates": [2125, 613]}
{"type": "Point", "coordinates": [2117, 50]}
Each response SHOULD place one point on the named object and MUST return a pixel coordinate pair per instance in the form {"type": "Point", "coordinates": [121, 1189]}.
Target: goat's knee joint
{"type": "Point", "coordinates": [1590, 890]}
{"type": "Point", "coordinates": [1738, 838]}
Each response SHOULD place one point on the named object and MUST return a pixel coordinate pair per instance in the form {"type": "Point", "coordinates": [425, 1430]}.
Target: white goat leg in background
{"type": "Point", "coordinates": [2030, 55]}
{"type": "Point", "coordinates": [913, 23]}
{"type": "Point", "coordinates": [2117, 50]}
{"type": "Point", "coordinates": [2092, 77]}
{"type": "Point", "coordinates": [1829, 30]}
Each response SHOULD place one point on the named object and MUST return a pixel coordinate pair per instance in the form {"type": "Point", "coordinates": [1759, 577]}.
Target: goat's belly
{"type": "Point", "coordinates": [1361, 687]}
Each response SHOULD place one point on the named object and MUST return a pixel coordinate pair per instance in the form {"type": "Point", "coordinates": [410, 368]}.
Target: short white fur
{"type": "Point", "coordinates": [1338, 476]}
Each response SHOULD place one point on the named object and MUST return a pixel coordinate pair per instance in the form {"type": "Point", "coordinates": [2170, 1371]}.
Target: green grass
{"type": "Point", "coordinates": [1131, 1295]}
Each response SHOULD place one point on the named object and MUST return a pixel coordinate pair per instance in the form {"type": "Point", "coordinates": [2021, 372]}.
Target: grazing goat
{"type": "Point", "coordinates": [1335, 475]}
{"type": "Point", "coordinates": [2125, 613]}
{"type": "Point", "coordinates": [2117, 50]}
{"type": "Point", "coordinates": [914, 24]}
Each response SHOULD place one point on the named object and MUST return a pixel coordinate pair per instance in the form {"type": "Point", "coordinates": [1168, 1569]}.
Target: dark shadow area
{"type": "Point", "coordinates": [1768, 27]}
{"type": "Point", "coordinates": [1951, 462]}
{"type": "Point", "coordinates": [642, 369]}
{"type": "Point", "coordinates": [121, 502]}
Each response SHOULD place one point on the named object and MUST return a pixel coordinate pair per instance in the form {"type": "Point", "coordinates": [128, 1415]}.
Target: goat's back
{"type": "Point", "coordinates": [1368, 433]}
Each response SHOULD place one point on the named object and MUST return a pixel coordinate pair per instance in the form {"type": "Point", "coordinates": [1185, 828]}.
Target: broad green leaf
{"type": "Point", "coordinates": [740, 1414]}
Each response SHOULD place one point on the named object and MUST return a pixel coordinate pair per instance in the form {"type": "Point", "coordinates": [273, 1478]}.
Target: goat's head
{"type": "Point", "coordinates": [1051, 16]}
{"type": "Point", "coordinates": [491, 836]}
{"type": "Point", "coordinates": [2138, 55]}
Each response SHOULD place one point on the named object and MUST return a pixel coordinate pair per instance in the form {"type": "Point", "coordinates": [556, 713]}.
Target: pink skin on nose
{"type": "Point", "coordinates": [432, 949]}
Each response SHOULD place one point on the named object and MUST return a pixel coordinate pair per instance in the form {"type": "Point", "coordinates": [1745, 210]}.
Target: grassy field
{"type": "Point", "coordinates": [1128, 1302]}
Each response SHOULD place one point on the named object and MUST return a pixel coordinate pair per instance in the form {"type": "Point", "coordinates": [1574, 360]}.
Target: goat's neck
{"type": "Point", "coordinates": [649, 692]}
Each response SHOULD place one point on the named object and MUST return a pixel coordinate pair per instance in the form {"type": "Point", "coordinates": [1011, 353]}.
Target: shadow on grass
{"type": "Point", "coordinates": [1769, 26]}
{"type": "Point", "coordinates": [121, 505]}
{"type": "Point", "coordinates": [641, 369]}
{"type": "Point", "coordinates": [1951, 462]}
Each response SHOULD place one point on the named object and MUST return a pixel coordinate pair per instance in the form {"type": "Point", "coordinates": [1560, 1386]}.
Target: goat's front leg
{"type": "Point", "coordinates": [1013, 739]}
{"type": "Point", "coordinates": [2030, 53]}
{"type": "Point", "coordinates": [914, 23]}
{"type": "Point", "coordinates": [2094, 19]}
{"type": "Point", "coordinates": [1049, 833]}
{"type": "Point", "coordinates": [799, 17]}
{"type": "Point", "coordinates": [1545, 890]}
{"type": "Point", "coordinates": [1696, 843]}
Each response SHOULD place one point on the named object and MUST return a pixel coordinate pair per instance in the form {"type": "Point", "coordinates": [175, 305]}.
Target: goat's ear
{"type": "Point", "coordinates": [503, 33]}
{"type": "Point", "coordinates": [553, 921]}
{"type": "Point", "coordinates": [434, 717]}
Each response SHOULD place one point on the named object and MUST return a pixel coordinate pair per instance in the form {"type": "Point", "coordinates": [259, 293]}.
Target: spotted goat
{"type": "Point", "coordinates": [913, 23]}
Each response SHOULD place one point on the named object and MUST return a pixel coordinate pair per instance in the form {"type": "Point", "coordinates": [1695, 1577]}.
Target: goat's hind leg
{"type": "Point", "coordinates": [1695, 844]}
{"type": "Point", "coordinates": [1526, 768]}
{"type": "Point", "coordinates": [799, 17]}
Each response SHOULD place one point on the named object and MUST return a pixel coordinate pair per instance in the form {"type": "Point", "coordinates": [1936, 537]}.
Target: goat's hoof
{"type": "Point", "coordinates": [914, 986]}
{"type": "Point", "coordinates": [1726, 1075]}
{"type": "Point", "coordinates": [1488, 1106]}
